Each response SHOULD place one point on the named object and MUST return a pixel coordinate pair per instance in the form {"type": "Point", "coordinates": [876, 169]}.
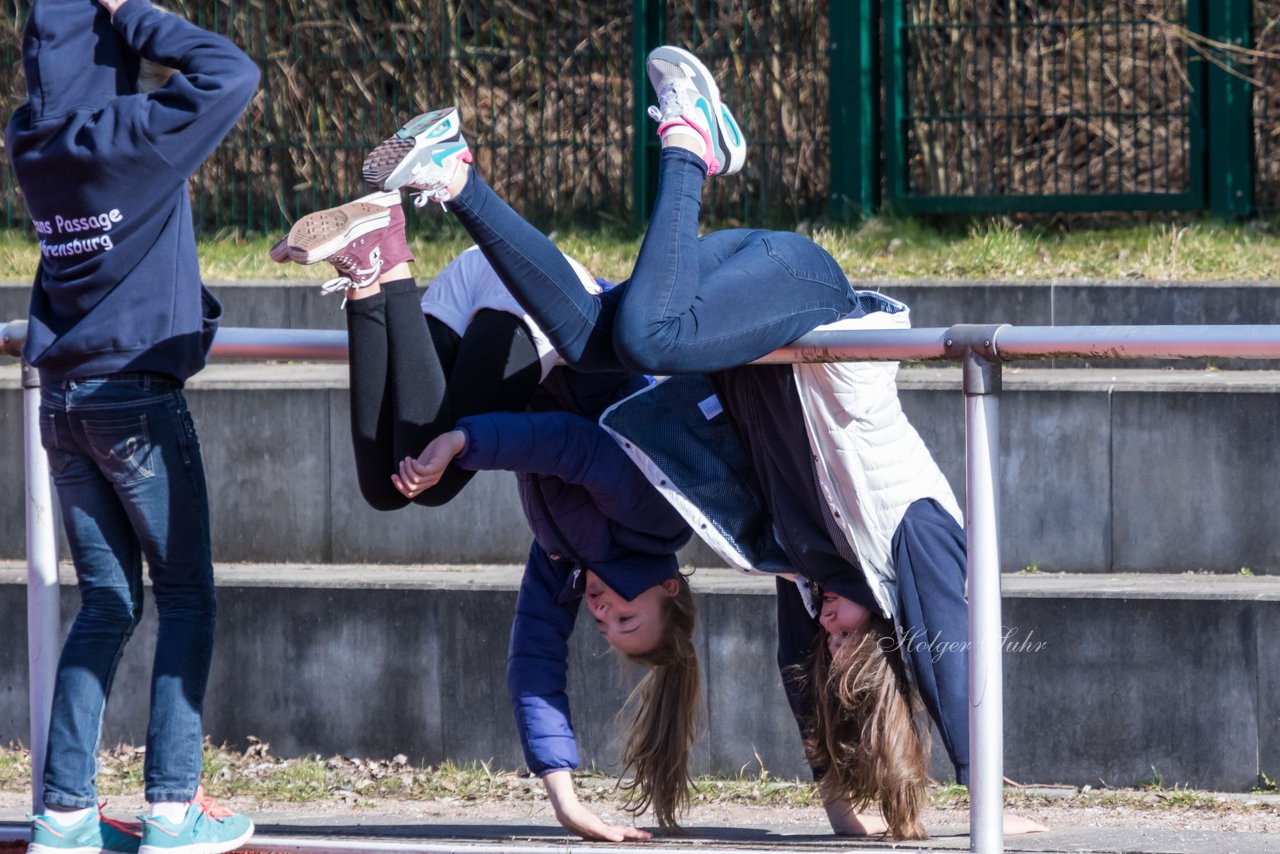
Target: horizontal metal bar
{"type": "Point", "coordinates": [1241, 341]}
{"type": "Point", "coordinates": [1139, 342]}
{"type": "Point", "coordinates": [883, 345]}
{"type": "Point", "coordinates": [310, 345]}
{"type": "Point", "coordinates": [12, 336]}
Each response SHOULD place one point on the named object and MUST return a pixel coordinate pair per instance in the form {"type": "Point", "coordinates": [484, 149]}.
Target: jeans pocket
{"type": "Point", "coordinates": [121, 448]}
{"type": "Point", "coordinates": [804, 259]}
{"type": "Point", "coordinates": [58, 458]}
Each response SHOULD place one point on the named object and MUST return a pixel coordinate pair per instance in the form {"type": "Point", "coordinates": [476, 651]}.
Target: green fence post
{"type": "Point", "coordinates": [648, 29]}
{"type": "Point", "coordinates": [853, 74]}
{"type": "Point", "coordinates": [894, 133]}
{"type": "Point", "coordinates": [1228, 105]}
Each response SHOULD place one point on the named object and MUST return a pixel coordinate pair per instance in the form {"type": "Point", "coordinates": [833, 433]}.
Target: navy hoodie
{"type": "Point", "coordinates": [103, 171]}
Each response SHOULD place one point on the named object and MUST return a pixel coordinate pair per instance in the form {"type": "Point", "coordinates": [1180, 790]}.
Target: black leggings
{"type": "Point", "coordinates": [411, 381]}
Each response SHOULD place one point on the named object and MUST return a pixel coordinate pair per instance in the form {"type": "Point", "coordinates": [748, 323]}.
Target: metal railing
{"type": "Point", "coordinates": [980, 349]}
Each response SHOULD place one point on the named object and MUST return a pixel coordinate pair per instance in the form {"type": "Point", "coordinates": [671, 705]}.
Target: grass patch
{"type": "Point", "coordinates": [880, 248]}
{"type": "Point", "coordinates": [357, 784]}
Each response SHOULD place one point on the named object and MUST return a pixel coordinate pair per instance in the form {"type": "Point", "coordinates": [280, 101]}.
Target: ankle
{"type": "Point", "coordinates": [459, 181]}
{"type": "Point", "coordinates": [67, 816]}
{"type": "Point", "coordinates": [367, 291]}
{"type": "Point", "coordinates": [174, 812]}
{"type": "Point", "coordinates": [689, 140]}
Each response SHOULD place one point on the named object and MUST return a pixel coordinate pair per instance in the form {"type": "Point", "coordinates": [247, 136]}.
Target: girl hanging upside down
{"type": "Point", "coordinates": [475, 384]}
{"type": "Point", "coordinates": [856, 502]}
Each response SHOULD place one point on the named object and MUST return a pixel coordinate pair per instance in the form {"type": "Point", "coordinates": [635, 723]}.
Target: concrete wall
{"type": "Point", "coordinates": [1135, 471]}
{"type": "Point", "coordinates": [1106, 677]}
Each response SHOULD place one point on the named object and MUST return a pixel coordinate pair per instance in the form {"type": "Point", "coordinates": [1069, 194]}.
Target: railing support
{"type": "Point", "coordinates": [44, 622]}
{"type": "Point", "coordinates": [976, 346]}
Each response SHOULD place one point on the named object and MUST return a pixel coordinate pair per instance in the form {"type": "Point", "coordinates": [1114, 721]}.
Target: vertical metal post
{"type": "Point", "coordinates": [986, 678]}
{"type": "Point", "coordinates": [1228, 102]}
{"type": "Point", "coordinates": [43, 607]}
{"type": "Point", "coordinates": [648, 29]}
{"type": "Point", "coordinates": [853, 75]}
{"type": "Point", "coordinates": [894, 130]}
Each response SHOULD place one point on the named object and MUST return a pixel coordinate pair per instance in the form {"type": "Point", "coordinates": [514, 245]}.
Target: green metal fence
{"type": "Point", "coordinates": [936, 105]}
{"type": "Point", "coordinates": [1042, 106]}
{"type": "Point", "coordinates": [548, 93]}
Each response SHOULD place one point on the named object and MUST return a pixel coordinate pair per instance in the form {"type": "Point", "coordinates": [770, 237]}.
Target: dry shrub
{"type": "Point", "coordinates": [1028, 97]}
{"type": "Point", "coordinates": [1266, 103]}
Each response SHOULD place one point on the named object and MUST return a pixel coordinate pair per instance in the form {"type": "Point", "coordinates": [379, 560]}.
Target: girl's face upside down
{"type": "Point", "coordinates": [632, 627]}
{"type": "Point", "coordinates": [843, 619]}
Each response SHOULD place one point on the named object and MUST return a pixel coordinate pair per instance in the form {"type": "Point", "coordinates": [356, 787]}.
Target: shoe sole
{"type": "Point", "coordinates": [282, 254]}
{"type": "Point", "coordinates": [390, 165]}
{"type": "Point", "coordinates": [733, 157]}
{"type": "Point", "coordinates": [36, 848]}
{"type": "Point", "coordinates": [317, 236]}
{"type": "Point", "coordinates": [201, 847]}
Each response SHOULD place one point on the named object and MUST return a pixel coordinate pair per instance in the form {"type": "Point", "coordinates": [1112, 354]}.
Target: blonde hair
{"type": "Point", "coordinates": [864, 732]}
{"type": "Point", "coordinates": [667, 706]}
{"type": "Point", "coordinates": [153, 75]}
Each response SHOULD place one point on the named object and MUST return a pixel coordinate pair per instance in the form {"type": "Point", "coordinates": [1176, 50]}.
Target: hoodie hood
{"type": "Point", "coordinates": [74, 58]}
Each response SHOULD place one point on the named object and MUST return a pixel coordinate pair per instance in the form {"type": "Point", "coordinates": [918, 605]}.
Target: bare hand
{"type": "Point", "coordinates": [576, 818]}
{"type": "Point", "coordinates": [845, 821]}
{"type": "Point", "coordinates": [112, 5]}
{"type": "Point", "coordinates": [419, 474]}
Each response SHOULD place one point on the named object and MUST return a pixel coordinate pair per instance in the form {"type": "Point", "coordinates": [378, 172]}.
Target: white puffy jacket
{"type": "Point", "coordinates": [871, 463]}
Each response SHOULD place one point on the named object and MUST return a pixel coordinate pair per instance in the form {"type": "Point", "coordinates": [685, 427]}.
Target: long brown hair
{"type": "Point", "coordinates": [864, 732]}
{"type": "Point", "coordinates": [667, 707]}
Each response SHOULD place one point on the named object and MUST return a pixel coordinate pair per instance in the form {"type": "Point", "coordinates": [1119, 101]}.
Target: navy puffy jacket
{"type": "Point", "coordinates": [589, 508]}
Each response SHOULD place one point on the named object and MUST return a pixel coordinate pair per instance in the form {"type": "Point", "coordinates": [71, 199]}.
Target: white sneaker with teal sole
{"type": "Point", "coordinates": [424, 155]}
{"type": "Point", "coordinates": [208, 829]}
{"type": "Point", "coordinates": [689, 102]}
{"type": "Point", "coordinates": [94, 834]}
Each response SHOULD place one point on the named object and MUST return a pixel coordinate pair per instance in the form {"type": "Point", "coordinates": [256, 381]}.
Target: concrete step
{"type": "Point", "coordinates": [1101, 470]}
{"type": "Point", "coordinates": [1107, 677]}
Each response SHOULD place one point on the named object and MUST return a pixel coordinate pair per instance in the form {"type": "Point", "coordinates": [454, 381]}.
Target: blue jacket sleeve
{"type": "Point", "coordinates": [187, 118]}
{"type": "Point", "coordinates": [538, 666]}
{"type": "Point", "coordinates": [578, 451]}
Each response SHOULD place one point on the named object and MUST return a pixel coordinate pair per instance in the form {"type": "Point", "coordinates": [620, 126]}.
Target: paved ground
{"type": "Point", "coordinates": [537, 832]}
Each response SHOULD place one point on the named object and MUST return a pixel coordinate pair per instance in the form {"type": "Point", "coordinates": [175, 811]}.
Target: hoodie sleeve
{"type": "Point", "coordinates": [538, 666]}
{"type": "Point", "coordinates": [188, 117]}
{"type": "Point", "coordinates": [578, 451]}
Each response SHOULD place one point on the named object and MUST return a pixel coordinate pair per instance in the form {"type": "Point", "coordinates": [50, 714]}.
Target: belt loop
{"type": "Point", "coordinates": [146, 382]}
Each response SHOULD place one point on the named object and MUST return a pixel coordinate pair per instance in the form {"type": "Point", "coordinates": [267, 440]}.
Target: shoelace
{"type": "Point", "coordinates": [126, 827]}
{"type": "Point", "coordinates": [365, 277]}
{"type": "Point", "coordinates": [672, 101]}
{"type": "Point", "coordinates": [210, 807]}
{"type": "Point", "coordinates": [437, 191]}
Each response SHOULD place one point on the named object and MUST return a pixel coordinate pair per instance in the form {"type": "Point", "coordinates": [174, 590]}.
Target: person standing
{"type": "Point", "coordinates": [124, 103]}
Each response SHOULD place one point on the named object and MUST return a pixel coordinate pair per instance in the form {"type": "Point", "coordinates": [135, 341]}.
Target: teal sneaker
{"type": "Point", "coordinates": [424, 155]}
{"type": "Point", "coordinates": [689, 102]}
{"type": "Point", "coordinates": [209, 828]}
{"type": "Point", "coordinates": [96, 834]}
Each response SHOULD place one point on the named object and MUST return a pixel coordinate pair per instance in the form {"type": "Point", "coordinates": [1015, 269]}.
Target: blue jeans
{"type": "Point", "coordinates": [127, 467]}
{"type": "Point", "coordinates": [692, 305]}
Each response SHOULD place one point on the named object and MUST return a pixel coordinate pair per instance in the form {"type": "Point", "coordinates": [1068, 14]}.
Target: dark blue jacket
{"type": "Point", "coordinates": [589, 508]}
{"type": "Point", "coordinates": [104, 172]}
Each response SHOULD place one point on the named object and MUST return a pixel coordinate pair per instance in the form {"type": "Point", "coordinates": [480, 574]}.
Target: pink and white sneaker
{"type": "Point", "coordinates": [361, 239]}
{"type": "Point", "coordinates": [689, 103]}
